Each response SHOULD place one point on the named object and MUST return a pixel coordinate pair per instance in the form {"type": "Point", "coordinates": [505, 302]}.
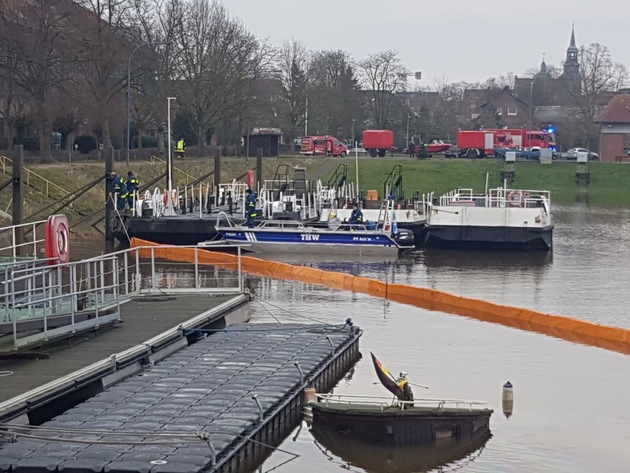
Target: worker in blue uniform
{"type": "Point", "coordinates": [356, 217]}
{"type": "Point", "coordinates": [133, 185]}
{"type": "Point", "coordinates": [250, 208]}
{"type": "Point", "coordinates": [120, 189]}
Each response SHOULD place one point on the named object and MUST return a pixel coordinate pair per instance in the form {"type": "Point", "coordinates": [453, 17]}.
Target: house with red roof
{"type": "Point", "coordinates": [614, 134]}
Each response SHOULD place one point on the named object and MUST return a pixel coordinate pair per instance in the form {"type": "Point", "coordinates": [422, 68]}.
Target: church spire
{"type": "Point", "coordinates": [572, 45]}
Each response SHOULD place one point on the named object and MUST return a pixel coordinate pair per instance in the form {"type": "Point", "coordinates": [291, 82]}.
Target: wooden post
{"type": "Point", "coordinates": [217, 169]}
{"type": "Point", "coordinates": [18, 196]}
{"type": "Point", "coordinates": [259, 156]}
{"type": "Point", "coordinates": [109, 205]}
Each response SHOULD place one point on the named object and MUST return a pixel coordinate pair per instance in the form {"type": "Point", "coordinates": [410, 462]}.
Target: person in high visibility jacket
{"type": "Point", "coordinates": [120, 189]}
{"type": "Point", "coordinates": [133, 185]}
{"type": "Point", "coordinates": [250, 207]}
{"type": "Point", "coordinates": [180, 148]}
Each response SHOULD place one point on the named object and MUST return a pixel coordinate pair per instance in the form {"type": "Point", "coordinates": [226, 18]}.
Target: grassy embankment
{"type": "Point", "coordinates": [609, 187]}
{"type": "Point", "coordinates": [73, 176]}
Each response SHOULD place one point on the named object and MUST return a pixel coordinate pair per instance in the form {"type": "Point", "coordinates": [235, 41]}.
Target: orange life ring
{"type": "Point", "coordinates": [515, 199]}
{"type": "Point", "coordinates": [57, 240]}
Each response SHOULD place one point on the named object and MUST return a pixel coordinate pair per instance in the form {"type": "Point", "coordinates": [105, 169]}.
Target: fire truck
{"type": "Point", "coordinates": [323, 146]}
{"type": "Point", "coordinates": [482, 143]}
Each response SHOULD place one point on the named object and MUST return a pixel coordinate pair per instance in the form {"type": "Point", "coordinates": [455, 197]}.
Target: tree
{"type": "Point", "coordinates": [34, 46]}
{"type": "Point", "coordinates": [294, 66]}
{"type": "Point", "coordinates": [599, 76]}
{"type": "Point", "coordinates": [383, 75]}
{"type": "Point", "coordinates": [336, 98]}
{"type": "Point", "coordinates": [106, 43]}
{"type": "Point", "coordinates": [217, 61]}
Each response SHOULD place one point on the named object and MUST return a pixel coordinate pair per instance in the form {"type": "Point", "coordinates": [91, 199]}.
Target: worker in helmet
{"type": "Point", "coordinates": [356, 217]}
{"type": "Point", "coordinates": [250, 208]}
{"type": "Point", "coordinates": [403, 384]}
{"type": "Point", "coordinates": [180, 148]}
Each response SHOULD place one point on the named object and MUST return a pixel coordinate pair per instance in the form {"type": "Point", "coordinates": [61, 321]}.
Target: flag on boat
{"type": "Point", "coordinates": [386, 378]}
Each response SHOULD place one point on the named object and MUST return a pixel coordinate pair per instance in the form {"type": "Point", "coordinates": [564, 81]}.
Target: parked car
{"type": "Point", "coordinates": [573, 153]}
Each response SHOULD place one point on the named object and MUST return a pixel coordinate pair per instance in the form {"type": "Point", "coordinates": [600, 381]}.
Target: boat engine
{"type": "Point", "coordinates": [404, 237]}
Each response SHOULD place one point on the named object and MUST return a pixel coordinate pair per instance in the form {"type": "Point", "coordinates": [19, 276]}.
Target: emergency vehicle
{"type": "Point", "coordinates": [323, 146]}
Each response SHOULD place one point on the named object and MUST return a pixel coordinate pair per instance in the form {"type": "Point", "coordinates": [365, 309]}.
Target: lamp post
{"type": "Point", "coordinates": [169, 171]}
{"type": "Point", "coordinates": [306, 118]}
{"type": "Point", "coordinates": [129, 91]}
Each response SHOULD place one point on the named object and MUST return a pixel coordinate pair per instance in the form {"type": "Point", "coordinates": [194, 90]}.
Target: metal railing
{"type": "Point", "coordinates": [32, 176]}
{"type": "Point", "coordinates": [384, 402]}
{"type": "Point", "coordinates": [46, 301]}
{"type": "Point", "coordinates": [16, 234]}
{"type": "Point", "coordinates": [155, 159]}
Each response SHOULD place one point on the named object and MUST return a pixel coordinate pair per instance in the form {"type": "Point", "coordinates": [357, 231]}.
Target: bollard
{"type": "Point", "coordinates": [508, 399]}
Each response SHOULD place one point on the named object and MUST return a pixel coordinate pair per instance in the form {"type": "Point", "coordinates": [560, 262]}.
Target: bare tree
{"type": "Point", "coordinates": [34, 45]}
{"type": "Point", "coordinates": [294, 65]}
{"type": "Point", "coordinates": [216, 63]}
{"type": "Point", "coordinates": [107, 39]}
{"type": "Point", "coordinates": [337, 100]}
{"type": "Point", "coordinates": [383, 75]}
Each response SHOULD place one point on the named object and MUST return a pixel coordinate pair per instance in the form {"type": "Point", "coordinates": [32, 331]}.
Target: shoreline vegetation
{"type": "Point", "coordinates": [609, 182]}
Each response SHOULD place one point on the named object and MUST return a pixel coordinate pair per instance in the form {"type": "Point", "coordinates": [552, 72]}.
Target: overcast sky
{"type": "Point", "coordinates": [457, 40]}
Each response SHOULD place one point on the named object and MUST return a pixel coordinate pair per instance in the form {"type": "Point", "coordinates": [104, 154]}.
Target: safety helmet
{"type": "Point", "coordinates": [403, 374]}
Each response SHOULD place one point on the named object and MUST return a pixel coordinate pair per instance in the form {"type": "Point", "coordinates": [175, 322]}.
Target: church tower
{"type": "Point", "coordinates": [572, 64]}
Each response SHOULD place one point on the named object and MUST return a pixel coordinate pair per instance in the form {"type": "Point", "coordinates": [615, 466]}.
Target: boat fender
{"type": "Point", "coordinates": [310, 395]}
{"type": "Point", "coordinates": [508, 399]}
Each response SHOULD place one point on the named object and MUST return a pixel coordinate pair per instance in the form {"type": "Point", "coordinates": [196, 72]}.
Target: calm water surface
{"type": "Point", "coordinates": [571, 410]}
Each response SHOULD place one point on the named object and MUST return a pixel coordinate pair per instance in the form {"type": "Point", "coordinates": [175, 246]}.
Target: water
{"type": "Point", "coordinates": [571, 409]}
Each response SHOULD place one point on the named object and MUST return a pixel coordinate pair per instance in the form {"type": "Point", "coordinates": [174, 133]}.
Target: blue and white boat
{"type": "Point", "coordinates": [291, 236]}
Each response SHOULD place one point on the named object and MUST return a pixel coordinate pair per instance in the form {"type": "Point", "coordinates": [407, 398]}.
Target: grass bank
{"type": "Point", "coordinates": [609, 187]}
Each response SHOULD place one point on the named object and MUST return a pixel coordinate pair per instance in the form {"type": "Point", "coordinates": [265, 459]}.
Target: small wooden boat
{"type": "Point", "coordinates": [404, 421]}
{"type": "Point", "coordinates": [389, 459]}
{"type": "Point", "coordinates": [400, 423]}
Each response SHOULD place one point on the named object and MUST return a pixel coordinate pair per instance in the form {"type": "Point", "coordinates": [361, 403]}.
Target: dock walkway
{"type": "Point", "coordinates": [216, 405]}
{"type": "Point", "coordinates": [142, 318]}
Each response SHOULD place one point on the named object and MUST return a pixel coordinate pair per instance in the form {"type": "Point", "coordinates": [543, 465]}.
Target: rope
{"type": "Point", "coordinates": [293, 313]}
{"type": "Point", "coordinates": [5, 373]}
{"type": "Point", "coordinates": [111, 197]}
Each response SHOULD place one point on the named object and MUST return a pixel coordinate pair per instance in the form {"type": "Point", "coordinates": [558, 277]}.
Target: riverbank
{"type": "Point", "coordinates": [48, 183]}
{"type": "Point", "coordinates": [608, 182]}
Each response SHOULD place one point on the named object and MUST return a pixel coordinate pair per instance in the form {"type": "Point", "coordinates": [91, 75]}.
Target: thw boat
{"type": "Point", "coordinates": [290, 236]}
{"type": "Point", "coordinates": [501, 218]}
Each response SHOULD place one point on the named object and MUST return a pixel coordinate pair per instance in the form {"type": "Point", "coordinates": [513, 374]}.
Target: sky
{"type": "Point", "coordinates": [452, 40]}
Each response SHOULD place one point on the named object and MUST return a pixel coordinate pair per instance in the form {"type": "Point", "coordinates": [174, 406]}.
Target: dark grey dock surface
{"type": "Point", "coordinates": [143, 318]}
{"type": "Point", "coordinates": [194, 411]}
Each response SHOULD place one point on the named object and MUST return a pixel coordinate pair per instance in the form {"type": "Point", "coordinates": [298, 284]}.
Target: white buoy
{"type": "Point", "coordinates": [508, 399]}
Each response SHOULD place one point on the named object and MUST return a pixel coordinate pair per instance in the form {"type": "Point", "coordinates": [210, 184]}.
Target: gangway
{"type": "Point", "coordinates": [41, 302]}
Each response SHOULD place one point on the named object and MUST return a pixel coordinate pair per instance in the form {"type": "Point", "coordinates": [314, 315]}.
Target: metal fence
{"type": "Point", "coordinates": [25, 239]}
{"type": "Point", "coordinates": [40, 302]}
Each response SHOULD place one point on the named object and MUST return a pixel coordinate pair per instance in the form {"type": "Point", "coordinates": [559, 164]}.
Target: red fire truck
{"type": "Point", "coordinates": [482, 143]}
{"type": "Point", "coordinates": [323, 146]}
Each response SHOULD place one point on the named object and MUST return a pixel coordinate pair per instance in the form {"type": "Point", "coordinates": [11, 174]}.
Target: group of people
{"type": "Point", "coordinates": [124, 189]}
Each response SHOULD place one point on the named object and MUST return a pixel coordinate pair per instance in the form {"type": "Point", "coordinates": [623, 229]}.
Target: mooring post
{"type": "Point", "coordinates": [259, 156]}
{"type": "Point", "coordinates": [217, 169]}
{"type": "Point", "coordinates": [18, 197]}
{"type": "Point", "coordinates": [109, 202]}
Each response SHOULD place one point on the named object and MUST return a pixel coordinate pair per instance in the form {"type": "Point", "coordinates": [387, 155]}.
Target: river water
{"type": "Point", "coordinates": [571, 408]}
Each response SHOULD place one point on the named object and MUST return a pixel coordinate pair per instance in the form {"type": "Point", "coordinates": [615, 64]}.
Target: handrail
{"type": "Point", "coordinates": [157, 158]}
{"type": "Point", "coordinates": [32, 226]}
{"type": "Point", "coordinates": [382, 401]}
{"type": "Point", "coordinates": [49, 183]}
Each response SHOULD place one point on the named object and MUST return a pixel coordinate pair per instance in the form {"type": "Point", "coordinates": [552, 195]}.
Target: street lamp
{"type": "Point", "coordinates": [151, 43]}
{"type": "Point", "coordinates": [169, 170]}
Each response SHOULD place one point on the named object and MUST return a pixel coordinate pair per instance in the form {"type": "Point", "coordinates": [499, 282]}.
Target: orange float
{"type": "Point", "coordinates": [250, 179]}
{"type": "Point", "coordinates": [57, 240]}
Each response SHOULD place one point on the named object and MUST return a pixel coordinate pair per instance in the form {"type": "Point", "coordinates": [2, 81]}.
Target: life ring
{"type": "Point", "coordinates": [57, 240]}
{"type": "Point", "coordinates": [174, 198]}
{"type": "Point", "coordinates": [515, 199]}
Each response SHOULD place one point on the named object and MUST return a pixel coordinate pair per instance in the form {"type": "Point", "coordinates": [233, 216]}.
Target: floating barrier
{"type": "Point", "coordinates": [567, 328]}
